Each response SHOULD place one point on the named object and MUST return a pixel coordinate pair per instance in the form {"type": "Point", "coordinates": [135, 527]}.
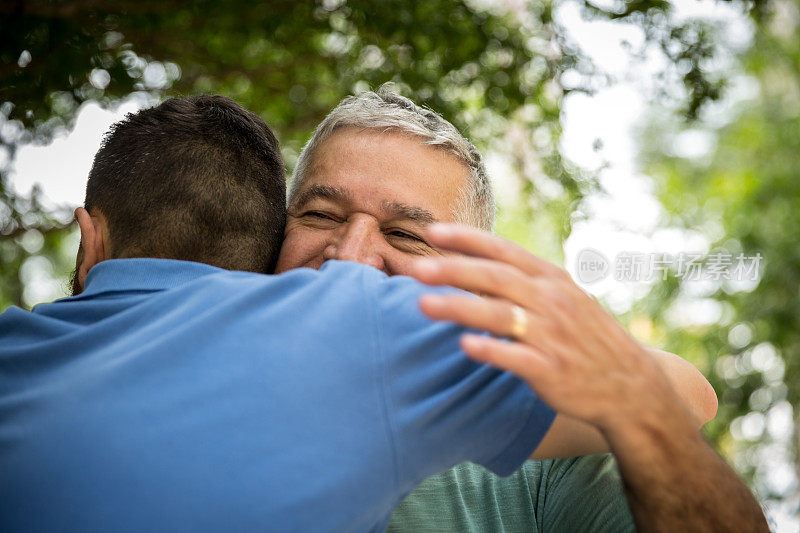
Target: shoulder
{"type": "Point", "coordinates": [394, 298]}
{"type": "Point", "coordinates": [347, 280]}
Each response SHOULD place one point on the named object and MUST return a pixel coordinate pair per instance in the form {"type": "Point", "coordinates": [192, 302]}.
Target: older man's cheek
{"type": "Point", "coordinates": [301, 249]}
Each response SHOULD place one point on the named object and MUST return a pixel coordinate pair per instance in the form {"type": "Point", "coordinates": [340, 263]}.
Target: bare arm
{"type": "Point", "coordinates": [693, 388]}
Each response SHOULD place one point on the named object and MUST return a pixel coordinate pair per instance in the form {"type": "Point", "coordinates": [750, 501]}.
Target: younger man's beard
{"type": "Point", "coordinates": [74, 281]}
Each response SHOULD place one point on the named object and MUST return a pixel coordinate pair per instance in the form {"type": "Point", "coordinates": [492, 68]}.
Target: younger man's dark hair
{"type": "Point", "coordinates": [198, 178]}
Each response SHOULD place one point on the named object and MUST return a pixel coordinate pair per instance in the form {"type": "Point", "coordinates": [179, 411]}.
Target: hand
{"type": "Point", "coordinates": [571, 352]}
{"type": "Point", "coordinates": [585, 365]}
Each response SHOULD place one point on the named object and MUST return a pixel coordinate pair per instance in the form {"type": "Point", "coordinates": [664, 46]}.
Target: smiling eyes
{"type": "Point", "coordinates": [404, 235]}
{"type": "Point", "coordinates": [316, 214]}
{"type": "Point", "coordinates": [326, 220]}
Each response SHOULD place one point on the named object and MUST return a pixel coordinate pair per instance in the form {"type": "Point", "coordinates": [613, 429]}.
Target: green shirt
{"type": "Point", "coordinates": [575, 494]}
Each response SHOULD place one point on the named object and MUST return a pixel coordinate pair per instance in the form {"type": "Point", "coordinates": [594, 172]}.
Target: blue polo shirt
{"type": "Point", "coordinates": [176, 396]}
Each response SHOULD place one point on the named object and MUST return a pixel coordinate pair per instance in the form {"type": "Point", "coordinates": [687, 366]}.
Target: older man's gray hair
{"type": "Point", "coordinates": [387, 111]}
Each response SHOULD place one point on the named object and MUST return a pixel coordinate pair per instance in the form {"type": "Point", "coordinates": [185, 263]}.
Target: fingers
{"type": "Point", "coordinates": [474, 275]}
{"type": "Point", "coordinates": [525, 362]}
{"type": "Point", "coordinates": [543, 296]}
{"type": "Point", "coordinates": [478, 243]}
{"type": "Point", "coordinates": [487, 314]}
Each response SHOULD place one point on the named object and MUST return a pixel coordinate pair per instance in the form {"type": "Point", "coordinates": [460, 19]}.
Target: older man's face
{"type": "Point", "coordinates": [367, 198]}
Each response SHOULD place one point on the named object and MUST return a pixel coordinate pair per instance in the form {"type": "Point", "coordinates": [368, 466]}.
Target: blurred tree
{"type": "Point", "coordinates": [478, 63]}
{"type": "Point", "coordinates": [744, 195]}
{"type": "Point", "coordinates": [290, 62]}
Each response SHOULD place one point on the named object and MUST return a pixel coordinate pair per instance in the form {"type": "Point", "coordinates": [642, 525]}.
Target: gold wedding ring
{"type": "Point", "coordinates": [519, 322]}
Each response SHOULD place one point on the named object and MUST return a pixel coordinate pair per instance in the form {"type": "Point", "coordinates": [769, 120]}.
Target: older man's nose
{"type": "Point", "coordinates": [357, 242]}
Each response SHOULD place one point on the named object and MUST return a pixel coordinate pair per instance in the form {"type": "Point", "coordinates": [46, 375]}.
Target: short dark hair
{"type": "Point", "coordinates": [196, 178]}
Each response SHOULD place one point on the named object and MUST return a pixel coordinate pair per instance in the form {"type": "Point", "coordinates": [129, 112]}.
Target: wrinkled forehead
{"type": "Point", "coordinates": [355, 140]}
{"type": "Point", "coordinates": [386, 207]}
{"type": "Point", "coordinates": [384, 166]}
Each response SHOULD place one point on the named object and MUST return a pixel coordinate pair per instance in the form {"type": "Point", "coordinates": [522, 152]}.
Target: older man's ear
{"type": "Point", "coordinates": [94, 237]}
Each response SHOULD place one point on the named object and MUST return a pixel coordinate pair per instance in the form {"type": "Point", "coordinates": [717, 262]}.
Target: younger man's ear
{"type": "Point", "coordinates": [92, 242]}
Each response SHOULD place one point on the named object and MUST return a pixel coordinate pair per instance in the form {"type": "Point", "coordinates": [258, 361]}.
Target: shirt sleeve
{"type": "Point", "coordinates": [583, 494]}
{"type": "Point", "coordinates": [443, 408]}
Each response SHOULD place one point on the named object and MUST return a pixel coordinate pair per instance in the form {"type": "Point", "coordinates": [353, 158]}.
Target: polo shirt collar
{"type": "Point", "coordinates": [143, 274]}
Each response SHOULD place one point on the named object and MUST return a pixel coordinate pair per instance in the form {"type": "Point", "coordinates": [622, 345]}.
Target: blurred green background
{"type": "Point", "coordinates": [501, 71]}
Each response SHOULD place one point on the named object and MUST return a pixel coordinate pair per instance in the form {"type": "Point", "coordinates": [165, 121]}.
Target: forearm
{"type": "Point", "coordinates": [674, 481]}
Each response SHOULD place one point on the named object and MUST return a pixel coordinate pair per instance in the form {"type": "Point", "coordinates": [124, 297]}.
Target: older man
{"type": "Point", "coordinates": [375, 174]}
